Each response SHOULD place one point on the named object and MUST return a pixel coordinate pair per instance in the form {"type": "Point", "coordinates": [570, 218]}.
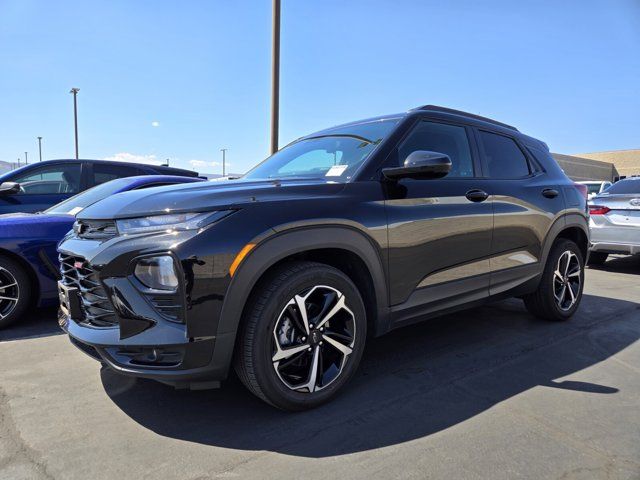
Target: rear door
{"type": "Point", "coordinates": [526, 201]}
{"type": "Point", "coordinates": [105, 172]}
{"type": "Point", "coordinates": [439, 230]}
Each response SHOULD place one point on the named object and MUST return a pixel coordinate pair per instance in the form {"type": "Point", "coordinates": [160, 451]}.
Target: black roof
{"type": "Point", "coordinates": [435, 108]}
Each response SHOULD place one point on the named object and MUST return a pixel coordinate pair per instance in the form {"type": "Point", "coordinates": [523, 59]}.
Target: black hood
{"type": "Point", "coordinates": [206, 196]}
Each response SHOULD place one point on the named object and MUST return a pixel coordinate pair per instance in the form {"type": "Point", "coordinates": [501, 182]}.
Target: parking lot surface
{"type": "Point", "coordinates": [486, 393]}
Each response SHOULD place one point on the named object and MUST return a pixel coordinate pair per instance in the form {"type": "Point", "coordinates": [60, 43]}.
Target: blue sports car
{"type": "Point", "coordinates": [28, 241]}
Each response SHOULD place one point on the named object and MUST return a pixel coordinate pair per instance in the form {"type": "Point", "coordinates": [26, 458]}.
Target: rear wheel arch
{"type": "Point", "coordinates": [573, 227]}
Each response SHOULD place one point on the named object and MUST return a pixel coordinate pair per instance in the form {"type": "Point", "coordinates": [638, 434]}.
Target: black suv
{"type": "Point", "coordinates": [343, 234]}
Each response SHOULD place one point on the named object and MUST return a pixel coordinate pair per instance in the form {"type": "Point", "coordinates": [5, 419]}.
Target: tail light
{"type": "Point", "coordinates": [598, 210]}
{"type": "Point", "coordinates": [582, 189]}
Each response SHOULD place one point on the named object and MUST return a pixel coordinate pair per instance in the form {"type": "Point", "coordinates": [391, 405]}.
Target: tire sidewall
{"type": "Point", "coordinates": [266, 376]}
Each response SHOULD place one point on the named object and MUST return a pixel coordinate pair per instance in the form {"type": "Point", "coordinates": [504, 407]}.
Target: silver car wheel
{"type": "Point", "coordinates": [9, 292]}
{"type": "Point", "coordinates": [312, 339]}
{"type": "Point", "coordinates": [567, 279]}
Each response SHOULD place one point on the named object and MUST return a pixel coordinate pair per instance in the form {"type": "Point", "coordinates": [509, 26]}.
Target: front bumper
{"type": "Point", "coordinates": [186, 351]}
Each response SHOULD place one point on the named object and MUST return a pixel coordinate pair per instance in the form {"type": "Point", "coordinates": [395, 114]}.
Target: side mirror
{"type": "Point", "coordinates": [421, 164]}
{"type": "Point", "coordinates": [9, 188]}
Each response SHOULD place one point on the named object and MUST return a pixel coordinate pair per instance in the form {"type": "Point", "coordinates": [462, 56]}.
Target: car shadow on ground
{"type": "Point", "coordinates": [37, 322]}
{"type": "Point", "coordinates": [413, 382]}
{"type": "Point", "coordinates": [620, 264]}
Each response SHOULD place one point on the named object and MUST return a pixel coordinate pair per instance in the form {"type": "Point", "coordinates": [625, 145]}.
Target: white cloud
{"type": "Point", "coordinates": [202, 163]}
{"type": "Point", "coordinates": [133, 158]}
{"type": "Point", "coordinates": [155, 124]}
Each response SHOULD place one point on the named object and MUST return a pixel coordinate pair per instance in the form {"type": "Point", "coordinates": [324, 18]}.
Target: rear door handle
{"type": "Point", "coordinates": [477, 195]}
{"type": "Point", "coordinates": [550, 193]}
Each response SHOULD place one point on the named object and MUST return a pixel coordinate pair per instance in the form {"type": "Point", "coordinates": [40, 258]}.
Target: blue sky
{"type": "Point", "coordinates": [567, 72]}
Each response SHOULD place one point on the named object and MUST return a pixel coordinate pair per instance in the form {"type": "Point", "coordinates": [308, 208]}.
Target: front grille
{"type": "Point", "coordinates": [94, 302]}
{"type": "Point", "coordinates": [95, 229]}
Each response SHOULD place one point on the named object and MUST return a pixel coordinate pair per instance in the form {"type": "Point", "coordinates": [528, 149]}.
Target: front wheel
{"type": "Point", "coordinates": [15, 291]}
{"type": "Point", "coordinates": [560, 291]}
{"type": "Point", "coordinates": [303, 336]}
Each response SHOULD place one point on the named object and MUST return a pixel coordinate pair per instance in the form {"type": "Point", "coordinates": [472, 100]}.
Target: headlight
{"type": "Point", "coordinates": [157, 272]}
{"type": "Point", "coordinates": [172, 221]}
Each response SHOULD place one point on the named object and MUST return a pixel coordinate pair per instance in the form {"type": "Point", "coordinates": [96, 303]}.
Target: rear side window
{"type": "Point", "coordinates": [104, 172]}
{"type": "Point", "coordinates": [442, 138]}
{"type": "Point", "coordinates": [503, 157]}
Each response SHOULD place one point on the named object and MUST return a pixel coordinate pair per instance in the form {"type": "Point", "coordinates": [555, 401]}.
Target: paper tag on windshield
{"type": "Point", "coordinates": [336, 171]}
{"type": "Point", "coordinates": [74, 211]}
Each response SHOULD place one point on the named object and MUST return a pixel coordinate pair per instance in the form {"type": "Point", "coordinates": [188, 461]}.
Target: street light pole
{"type": "Point", "coordinates": [40, 147]}
{"type": "Point", "coordinates": [75, 91]}
{"type": "Point", "coordinates": [275, 76]}
{"type": "Point", "coordinates": [26, 158]}
{"type": "Point", "coordinates": [224, 160]}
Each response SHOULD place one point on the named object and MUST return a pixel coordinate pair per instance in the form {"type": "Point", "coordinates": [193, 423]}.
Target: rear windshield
{"type": "Point", "coordinates": [624, 186]}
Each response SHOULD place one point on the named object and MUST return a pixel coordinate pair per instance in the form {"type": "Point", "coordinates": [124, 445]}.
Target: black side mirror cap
{"type": "Point", "coordinates": [421, 164]}
{"type": "Point", "coordinates": [9, 188]}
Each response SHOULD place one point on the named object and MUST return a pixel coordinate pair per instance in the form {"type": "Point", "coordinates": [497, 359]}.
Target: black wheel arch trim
{"type": "Point", "coordinates": [281, 245]}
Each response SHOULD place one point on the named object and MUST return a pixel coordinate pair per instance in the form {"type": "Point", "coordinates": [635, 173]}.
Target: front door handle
{"type": "Point", "coordinates": [477, 195]}
{"type": "Point", "coordinates": [550, 193]}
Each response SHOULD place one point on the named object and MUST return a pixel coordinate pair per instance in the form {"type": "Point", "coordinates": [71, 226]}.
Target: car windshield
{"type": "Point", "coordinates": [334, 154]}
{"type": "Point", "coordinates": [624, 186]}
{"type": "Point", "coordinates": [73, 205]}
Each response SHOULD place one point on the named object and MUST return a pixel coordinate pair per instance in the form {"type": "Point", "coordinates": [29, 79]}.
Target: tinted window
{"type": "Point", "coordinates": [503, 156]}
{"type": "Point", "coordinates": [624, 186]}
{"type": "Point", "coordinates": [442, 138]}
{"type": "Point", "coordinates": [50, 179]}
{"type": "Point", "coordinates": [105, 173]}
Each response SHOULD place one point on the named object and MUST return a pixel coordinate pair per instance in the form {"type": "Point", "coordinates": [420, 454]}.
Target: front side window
{"type": "Point", "coordinates": [334, 154]}
{"type": "Point", "coordinates": [503, 157]}
{"type": "Point", "coordinates": [50, 179]}
{"type": "Point", "coordinates": [451, 140]}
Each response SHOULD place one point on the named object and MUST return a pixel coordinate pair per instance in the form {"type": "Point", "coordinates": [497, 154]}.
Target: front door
{"type": "Point", "coordinates": [439, 230]}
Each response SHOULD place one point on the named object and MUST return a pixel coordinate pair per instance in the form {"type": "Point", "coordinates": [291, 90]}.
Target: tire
{"type": "Point", "coordinates": [14, 284]}
{"type": "Point", "coordinates": [545, 301]}
{"type": "Point", "coordinates": [272, 323]}
{"type": "Point", "coordinates": [597, 258]}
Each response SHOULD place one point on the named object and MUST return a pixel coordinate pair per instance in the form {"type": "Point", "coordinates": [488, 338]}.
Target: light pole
{"type": "Point", "coordinates": [26, 158]}
{"type": "Point", "coordinates": [40, 147]}
{"type": "Point", "coordinates": [224, 160]}
{"type": "Point", "coordinates": [75, 91]}
{"type": "Point", "coordinates": [275, 76]}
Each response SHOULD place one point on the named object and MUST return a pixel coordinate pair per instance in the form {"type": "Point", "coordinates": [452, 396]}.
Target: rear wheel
{"type": "Point", "coordinates": [560, 290]}
{"type": "Point", "coordinates": [303, 336]}
{"type": "Point", "coordinates": [597, 258]}
{"type": "Point", "coordinates": [15, 291]}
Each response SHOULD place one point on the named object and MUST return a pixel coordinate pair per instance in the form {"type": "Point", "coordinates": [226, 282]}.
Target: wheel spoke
{"type": "Point", "coordinates": [340, 336]}
{"type": "Point", "coordinates": [2, 287]}
{"type": "Point", "coordinates": [558, 275]}
{"type": "Point", "coordinates": [13, 299]}
{"type": "Point", "coordinates": [295, 317]}
{"type": "Point", "coordinates": [313, 372]}
{"type": "Point", "coordinates": [328, 300]}
{"type": "Point", "coordinates": [302, 309]}
{"type": "Point", "coordinates": [343, 348]}
{"type": "Point", "coordinates": [560, 298]}
{"type": "Point", "coordinates": [336, 308]}
{"type": "Point", "coordinates": [573, 296]}
{"type": "Point", "coordinates": [283, 353]}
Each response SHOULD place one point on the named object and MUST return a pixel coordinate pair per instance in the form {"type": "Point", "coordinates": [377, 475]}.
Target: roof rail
{"type": "Point", "coordinates": [435, 108]}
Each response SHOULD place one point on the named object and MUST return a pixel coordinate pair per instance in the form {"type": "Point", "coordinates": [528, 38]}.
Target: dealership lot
{"type": "Point", "coordinates": [486, 393]}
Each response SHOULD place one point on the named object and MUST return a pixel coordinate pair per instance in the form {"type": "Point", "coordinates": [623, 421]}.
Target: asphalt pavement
{"type": "Point", "coordinates": [489, 393]}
